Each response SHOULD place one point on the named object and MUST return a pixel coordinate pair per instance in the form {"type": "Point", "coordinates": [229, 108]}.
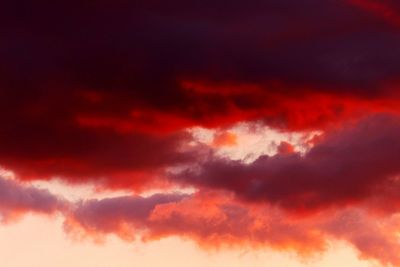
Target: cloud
{"type": "Point", "coordinates": [145, 44]}
{"type": "Point", "coordinates": [216, 220]}
{"type": "Point", "coordinates": [85, 155]}
{"type": "Point", "coordinates": [125, 216]}
{"type": "Point", "coordinates": [388, 10]}
{"type": "Point", "coordinates": [107, 92]}
{"type": "Point", "coordinates": [224, 139]}
{"type": "Point", "coordinates": [136, 75]}
{"type": "Point", "coordinates": [350, 164]}
{"type": "Point", "coordinates": [209, 218]}
{"type": "Point", "coordinates": [136, 57]}
{"type": "Point", "coordinates": [17, 199]}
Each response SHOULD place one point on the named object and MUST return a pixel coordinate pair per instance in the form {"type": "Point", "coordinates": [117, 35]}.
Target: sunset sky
{"type": "Point", "coordinates": [200, 133]}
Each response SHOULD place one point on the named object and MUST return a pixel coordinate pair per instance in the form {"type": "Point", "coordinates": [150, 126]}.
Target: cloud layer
{"type": "Point", "coordinates": [347, 165]}
{"type": "Point", "coordinates": [108, 92]}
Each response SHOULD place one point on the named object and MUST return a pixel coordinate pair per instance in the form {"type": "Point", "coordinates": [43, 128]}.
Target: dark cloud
{"type": "Point", "coordinates": [351, 164]}
{"type": "Point", "coordinates": [142, 49]}
{"type": "Point", "coordinates": [91, 87]}
{"type": "Point", "coordinates": [79, 156]}
{"type": "Point", "coordinates": [105, 91]}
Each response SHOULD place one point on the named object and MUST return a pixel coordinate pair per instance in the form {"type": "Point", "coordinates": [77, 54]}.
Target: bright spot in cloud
{"type": "Point", "coordinates": [252, 139]}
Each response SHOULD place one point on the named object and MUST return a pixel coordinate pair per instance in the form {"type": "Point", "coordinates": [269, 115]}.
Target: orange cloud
{"type": "Point", "coordinates": [224, 139]}
{"type": "Point", "coordinates": [216, 219]}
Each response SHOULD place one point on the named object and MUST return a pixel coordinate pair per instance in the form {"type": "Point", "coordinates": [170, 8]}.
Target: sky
{"type": "Point", "coordinates": [211, 133]}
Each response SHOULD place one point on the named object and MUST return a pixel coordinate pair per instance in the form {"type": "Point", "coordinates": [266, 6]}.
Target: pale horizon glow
{"type": "Point", "coordinates": [43, 243]}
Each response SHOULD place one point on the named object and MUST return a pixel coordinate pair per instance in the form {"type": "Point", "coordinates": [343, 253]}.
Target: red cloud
{"type": "Point", "coordinates": [93, 103]}
{"type": "Point", "coordinates": [112, 103]}
{"type": "Point", "coordinates": [383, 9]}
{"type": "Point", "coordinates": [112, 137]}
